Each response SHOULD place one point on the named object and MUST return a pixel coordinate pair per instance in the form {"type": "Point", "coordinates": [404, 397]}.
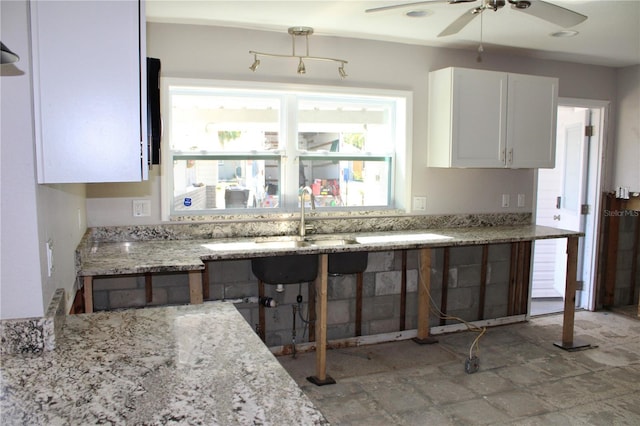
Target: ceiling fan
{"type": "Point", "coordinates": [557, 15]}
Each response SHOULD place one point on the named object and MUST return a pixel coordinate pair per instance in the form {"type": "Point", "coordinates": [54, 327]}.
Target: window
{"type": "Point", "coordinates": [248, 148]}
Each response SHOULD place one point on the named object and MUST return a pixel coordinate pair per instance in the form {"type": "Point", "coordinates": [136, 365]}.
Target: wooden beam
{"type": "Point", "coordinates": [445, 285]}
{"type": "Point", "coordinates": [195, 287]}
{"type": "Point", "coordinates": [568, 342]}
{"type": "Point", "coordinates": [424, 288]}
{"type": "Point", "coordinates": [611, 250]}
{"type": "Point", "coordinates": [88, 294]}
{"type": "Point", "coordinates": [321, 378]}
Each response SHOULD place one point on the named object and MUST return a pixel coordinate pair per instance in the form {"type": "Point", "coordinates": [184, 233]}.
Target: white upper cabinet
{"type": "Point", "coordinates": [488, 119]}
{"type": "Point", "coordinates": [89, 80]}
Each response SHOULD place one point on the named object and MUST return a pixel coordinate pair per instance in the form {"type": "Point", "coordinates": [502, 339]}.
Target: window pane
{"type": "Point", "coordinates": [221, 122]}
{"type": "Point", "coordinates": [225, 183]}
{"type": "Point", "coordinates": [347, 183]}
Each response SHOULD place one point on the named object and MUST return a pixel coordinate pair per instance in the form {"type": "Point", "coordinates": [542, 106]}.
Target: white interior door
{"type": "Point", "coordinates": [561, 194]}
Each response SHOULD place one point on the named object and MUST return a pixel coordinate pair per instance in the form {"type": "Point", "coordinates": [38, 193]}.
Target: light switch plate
{"type": "Point", "coordinates": [520, 200]}
{"type": "Point", "coordinates": [505, 200]}
{"type": "Point", "coordinates": [141, 208]}
{"type": "Point", "coordinates": [419, 203]}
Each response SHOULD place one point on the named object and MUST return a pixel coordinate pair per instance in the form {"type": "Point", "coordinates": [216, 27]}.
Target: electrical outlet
{"type": "Point", "coordinates": [141, 208]}
{"type": "Point", "coordinates": [419, 203]}
{"type": "Point", "coordinates": [505, 200]}
{"type": "Point", "coordinates": [471, 365]}
{"type": "Point", "coordinates": [520, 200]}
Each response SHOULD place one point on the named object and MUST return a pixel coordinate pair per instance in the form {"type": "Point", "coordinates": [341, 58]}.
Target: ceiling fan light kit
{"type": "Point", "coordinates": [299, 32]}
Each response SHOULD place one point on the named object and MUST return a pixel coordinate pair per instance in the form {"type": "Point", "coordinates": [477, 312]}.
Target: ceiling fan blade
{"type": "Point", "coordinates": [398, 6]}
{"type": "Point", "coordinates": [555, 14]}
{"type": "Point", "coordinates": [461, 22]}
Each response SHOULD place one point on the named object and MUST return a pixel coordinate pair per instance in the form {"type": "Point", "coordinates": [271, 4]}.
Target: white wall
{"type": "Point", "coordinates": [194, 51]}
{"type": "Point", "coordinates": [627, 150]}
{"type": "Point", "coordinates": [31, 214]}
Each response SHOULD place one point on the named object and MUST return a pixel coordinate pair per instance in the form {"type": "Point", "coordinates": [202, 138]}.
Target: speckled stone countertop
{"type": "Point", "coordinates": [170, 365]}
{"type": "Point", "coordinates": [113, 258]}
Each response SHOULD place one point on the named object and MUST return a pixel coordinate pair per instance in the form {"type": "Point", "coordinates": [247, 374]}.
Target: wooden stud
{"type": "Point", "coordinates": [403, 292]}
{"type": "Point", "coordinates": [321, 378]}
{"type": "Point", "coordinates": [195, 287]}
{"type": "Point", "coordinates": [483, 281]}
{"type": "Point", "coordinates": [568, 342]}
{"type": "Point", "coordinates": [148, 287]}
{"type": "Point", "coordinates": [88, 294]}
{"type": "Point", "coordinates": [359, 289]}
{"type": "Point", "coordinates": [513, 271]}
{"type": "Point", "coordinates": [445, 285]}
{"type": "Point", "coordinates": [526, 277]}
{"type": "Point", "coordinates": [424, 288]}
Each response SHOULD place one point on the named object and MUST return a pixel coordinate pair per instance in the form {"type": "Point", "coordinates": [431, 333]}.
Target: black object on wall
{"type": "Point", "coordinates": [154, 121]}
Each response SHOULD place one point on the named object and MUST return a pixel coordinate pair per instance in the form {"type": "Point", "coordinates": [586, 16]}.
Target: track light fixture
{"type": "Point", "coordinates": [299, 32]}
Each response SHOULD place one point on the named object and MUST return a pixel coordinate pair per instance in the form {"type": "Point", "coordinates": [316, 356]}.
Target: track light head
{"type": "Point", "coordinates": [301, 68]}
{"type": "Point", "coordinates": [342, 72]}
{"type": "Point", "coordinates": [256, 63]}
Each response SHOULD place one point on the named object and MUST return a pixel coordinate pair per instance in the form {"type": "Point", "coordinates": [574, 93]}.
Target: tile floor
{"type": "Point", "coordinates": [523, 379]}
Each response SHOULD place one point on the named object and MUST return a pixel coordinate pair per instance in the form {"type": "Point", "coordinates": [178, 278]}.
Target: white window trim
{"type": "Point", "coordinates": [402, 172]}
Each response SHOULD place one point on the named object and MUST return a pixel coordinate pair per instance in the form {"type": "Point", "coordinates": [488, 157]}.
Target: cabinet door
{"type": "Point", "coordinates": [87, 90]}
{"type": "Point", "coordinates": [532, 109]}
{"type": "Point", "coordinates": [479, 118]}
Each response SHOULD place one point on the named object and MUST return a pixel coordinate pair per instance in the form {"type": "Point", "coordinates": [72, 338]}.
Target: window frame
{"type": "Point", "coordinates": [400, 177]}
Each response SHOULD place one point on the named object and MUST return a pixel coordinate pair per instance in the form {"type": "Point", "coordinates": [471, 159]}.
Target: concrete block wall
{"type": "Point", "coordinates": [381, 307]}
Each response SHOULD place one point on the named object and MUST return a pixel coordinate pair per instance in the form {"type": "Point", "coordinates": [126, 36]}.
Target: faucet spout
{"type": "Point", "coordinates": [302, 231]}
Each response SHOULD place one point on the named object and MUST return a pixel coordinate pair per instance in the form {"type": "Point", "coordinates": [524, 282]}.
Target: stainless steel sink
{"type": "Point", "coordinates": [280, 244]}
{"type": "Point", "coordinates": [332, 242]}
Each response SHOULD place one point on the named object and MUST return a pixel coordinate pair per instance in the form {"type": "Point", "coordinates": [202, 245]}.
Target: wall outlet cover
{"type": "Point", "coordinates": [505, 200]}
{"type": "Point", "coordinates": [141, 208]}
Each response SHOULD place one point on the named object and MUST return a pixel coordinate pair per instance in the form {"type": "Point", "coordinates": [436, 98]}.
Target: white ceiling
{"type": "Point", "coordinates": [610, 36]}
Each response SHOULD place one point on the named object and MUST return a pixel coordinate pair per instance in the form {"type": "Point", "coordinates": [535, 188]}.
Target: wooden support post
{"type": "Point", "coordinates": [483, 281]}
{"type": "Point", "coordinates": [261, 311]}
{"type": "Point", "coordinates": [195, 287]}
{"type": "Point", "coordinates": [403, 292]}
{"type": "Point", "coordinates": [445, 285]}
{"type": "Point", "coordinates": [513, 277]}
{"type": "Point", "coordinates": [568, 342]}
{"type": "Point", "coordinates": [148, 287]}
{"type": "Point", "coordinates": [526, 277]}
{"type": "Point", "coordinates": [321, 378]}
{"type": "Point", "coordinates": [359, 288]}
{"type": "Point", "coordinates": [205, 282]}
{"type": "Point", "coordinates": [88, 294]}
{"type": "Point", "coordinates": [424, 288]}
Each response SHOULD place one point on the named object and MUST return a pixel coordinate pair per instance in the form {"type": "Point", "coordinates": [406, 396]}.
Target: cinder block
{"type": "Point", "coordinates": [338, 311]}
{"type": "Point", "coordinates": [496, 295]}
{"type": "Point", "coordinates": [169, 280]}
{"type": "Point", "coordinates": [379, 307]}
{"type": "Point", "coordinates": [469, 275]}
{"type": "Point", "coordinates": [452, 278]}
{"type": "Point", "coordinates": [342, 287]}
{"type": "Point", "coordinates": [126, 299]}
{"type": "Point", "coordinates": [495, 311]}
{"type": "Point", "coordinates": [127, 282]}
{"type": "Point", "coordinates": [238, 290]}
{"type": "Point", "coordinates": [340, 331]}
{"type": "Point", "coordinates": [388, 283]}
{"type": "Point", "coordinates": [412, 280]}
{"type": "Point", "coordinates": [413, 259]}
{"type": "Point", "coordinates": [380, 261]}
{"type": "Point", "coordinates": [469, 255]}
{"type": "Point", "coordinates": [384, 325]}
{"type": "Point", "coordinates": [499, 252]}
{"type": "Point", "coordinates": [369, 284]}
{"type": "Point", "coordinates": [498, 272]}
{"type": "Point", "coordinates": [100, 300]}
{"type": "Point", "coordinates": [230, 271]}
{"type": "Point", "coordinates": [179, 294]}
{"type": "Point", "coordinates": [160, 296]}
{"type": "Point", "coordinates": [460, 299]}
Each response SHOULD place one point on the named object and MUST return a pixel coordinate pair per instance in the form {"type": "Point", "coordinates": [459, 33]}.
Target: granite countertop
{"type": "Point", "coordinates": [195, 364]}
{"type": "Point", "coordinates": [113, 258]}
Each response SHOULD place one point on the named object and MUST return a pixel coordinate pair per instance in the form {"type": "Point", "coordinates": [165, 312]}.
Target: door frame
{"type": "Point", "coordinates": [586, 298]}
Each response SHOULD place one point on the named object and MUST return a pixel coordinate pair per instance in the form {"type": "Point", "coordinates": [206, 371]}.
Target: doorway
{"type": "Point", "coordinates": [567, 197]}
